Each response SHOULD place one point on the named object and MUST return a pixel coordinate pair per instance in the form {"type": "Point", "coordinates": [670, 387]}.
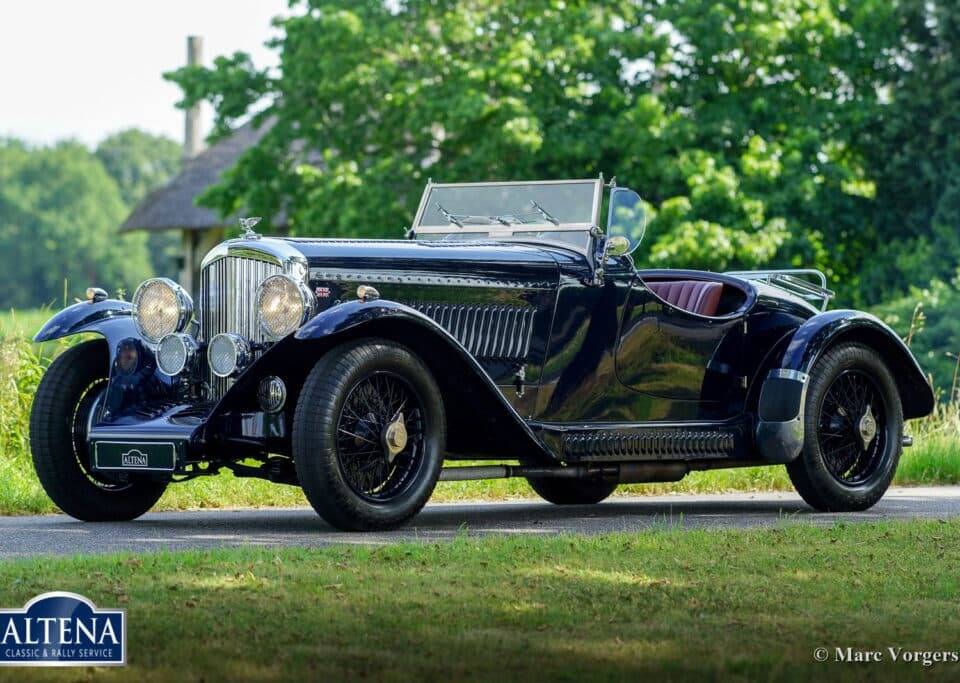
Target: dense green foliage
{"type": "Point", "coordinates": [786, 132]}
{"type": "Point", "coordinates": [917, 158]}
{"type": "Point", "coordinates": [928, 316]}
{"type": "Point", "coordinates": [140, 162]}
{"type": "Point", "coordinates": [60, 208]}
{"type": "Point", "coordinates": [59, 214]}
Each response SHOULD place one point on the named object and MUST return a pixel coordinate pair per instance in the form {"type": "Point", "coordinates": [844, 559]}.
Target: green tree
{"type": "Point", "coordinates": [918, 159]}
{"type": "Point", "coordinates": [744, 124]}
{"type": "Point", "coordinates": [140, 162]}
{"type": "Point", "coordinates": [59, 213]}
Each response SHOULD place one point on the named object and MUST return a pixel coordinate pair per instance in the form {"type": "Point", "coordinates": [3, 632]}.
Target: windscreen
{"type": "Point", "coordinates": [559, 212]}
{"type": "Point", "coordinates": [558, 203]}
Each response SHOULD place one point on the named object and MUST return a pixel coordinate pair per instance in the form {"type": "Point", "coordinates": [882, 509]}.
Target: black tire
{"type": "Point", "coordinates": [348, 401]}
{"type": "Point", "coordinates": [572, 491]}
{"type": "Point", "coordinates": [840, 470]}
{"type": "Point", "coordinates": [65, 399]}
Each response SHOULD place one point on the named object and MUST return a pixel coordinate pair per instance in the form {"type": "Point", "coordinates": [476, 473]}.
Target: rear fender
{"type": "Point", "coordinates": [782, 397]}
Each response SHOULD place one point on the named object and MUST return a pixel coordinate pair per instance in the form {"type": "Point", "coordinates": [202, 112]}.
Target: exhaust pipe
{"type": "Point", "coordinates": [625, 473]}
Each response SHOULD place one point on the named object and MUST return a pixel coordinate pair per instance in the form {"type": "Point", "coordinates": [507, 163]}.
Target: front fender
{"type": "Point", "coordinates": [781, 405]}
{"type": "Point", "coordinates": [478, 413]}
{"type": "Point", "coordinates": [349, 315]}
{"type": "Point", "coordinates": [110, 318]}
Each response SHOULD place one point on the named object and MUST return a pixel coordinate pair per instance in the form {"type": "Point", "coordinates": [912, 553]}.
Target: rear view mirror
{"type": "Point", "coordinates": [626, 217]}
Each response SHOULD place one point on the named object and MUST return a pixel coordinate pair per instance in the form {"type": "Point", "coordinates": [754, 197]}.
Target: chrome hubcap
{"type": "Point", "coordinates": [395, 437]}
{"type": "Point", "coordinates": [867, 427]}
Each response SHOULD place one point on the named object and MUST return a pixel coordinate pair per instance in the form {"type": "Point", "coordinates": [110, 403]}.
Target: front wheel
{"type": "Point", "coordinates": [368, 435]}
{"type": "Point", "coordinates": [853, 431]}
{"type": "Point", "coordinates": [64, 407]}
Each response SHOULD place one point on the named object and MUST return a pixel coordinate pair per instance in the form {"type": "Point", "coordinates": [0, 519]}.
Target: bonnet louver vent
{"type": "Point", "coordinates": [487, 332]}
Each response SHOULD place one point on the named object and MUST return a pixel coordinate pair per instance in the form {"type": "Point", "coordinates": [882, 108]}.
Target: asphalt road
{"type": "Point", "coordinates": [60, 535]}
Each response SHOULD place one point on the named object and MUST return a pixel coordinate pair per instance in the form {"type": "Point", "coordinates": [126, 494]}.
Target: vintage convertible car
{"type": "Point", "coordinates": [508, 327]}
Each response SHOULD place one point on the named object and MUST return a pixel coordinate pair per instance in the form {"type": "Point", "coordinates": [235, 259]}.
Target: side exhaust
{"type": "Point", "coordinates": [625, 473]}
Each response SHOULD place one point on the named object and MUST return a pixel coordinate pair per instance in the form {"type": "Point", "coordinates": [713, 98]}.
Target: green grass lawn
{"type": "Point", "coordinates": [661, 605]}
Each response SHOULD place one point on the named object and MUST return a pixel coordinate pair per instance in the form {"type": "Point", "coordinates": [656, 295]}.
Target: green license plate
{"type": "Point", "coordinates": [144, 456]}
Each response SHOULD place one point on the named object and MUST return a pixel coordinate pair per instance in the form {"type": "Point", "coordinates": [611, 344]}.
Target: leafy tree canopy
{"type": "Point", "coordinates": [138, 161]}
{"type": "Point", "coordinates": [59, 213]}
{"type": "Point", "coordinates": [756, 130]}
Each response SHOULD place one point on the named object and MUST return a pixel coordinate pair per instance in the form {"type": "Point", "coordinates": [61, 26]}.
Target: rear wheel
{"type": "Point", "coordinates": [853, 431]}
{"type": "Point", "coordinates": [573, 491]}
{"type": "Point", "coordinates": [369, 435]}
{"type": "Point", "coordinates": [64, 407]}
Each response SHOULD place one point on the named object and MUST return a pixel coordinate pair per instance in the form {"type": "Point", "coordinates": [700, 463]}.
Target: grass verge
{"type": "Point", "coordinates": [672, 605]}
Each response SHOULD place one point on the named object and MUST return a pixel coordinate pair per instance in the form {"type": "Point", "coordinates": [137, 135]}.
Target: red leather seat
{"type": "Point", "coordinates": [695, 296]}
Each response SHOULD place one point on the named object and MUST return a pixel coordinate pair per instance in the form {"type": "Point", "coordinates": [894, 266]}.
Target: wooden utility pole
{"type": "Point", "coordinates": [192, 136]}
{"type": "Point", "coordinates": [192, 145]}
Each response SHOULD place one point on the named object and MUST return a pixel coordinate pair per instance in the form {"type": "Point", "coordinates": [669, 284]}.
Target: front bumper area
{"type": "Point", "coordinates": [196, 433]}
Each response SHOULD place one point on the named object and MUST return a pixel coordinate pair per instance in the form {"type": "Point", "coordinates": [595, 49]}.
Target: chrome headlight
{"type": "Point", "coordinates": [175, 353]}
{"type": "Point", "coordinates": [283, 305]}
{"type": "Point", "coordinates": [161, 307]}
{"type": "Point", "coordinates": [227, 354]}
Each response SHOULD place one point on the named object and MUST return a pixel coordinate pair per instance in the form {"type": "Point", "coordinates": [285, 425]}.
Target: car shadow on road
{"type": "Point", "coordinates": [611, 515]}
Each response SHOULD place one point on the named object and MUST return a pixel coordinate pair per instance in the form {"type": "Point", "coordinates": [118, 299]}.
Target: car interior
{"type": "Point", "coordinates": [710, 298]}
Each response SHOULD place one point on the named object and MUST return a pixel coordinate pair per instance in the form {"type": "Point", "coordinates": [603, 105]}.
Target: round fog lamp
{"type": "Point", "coordinates": [175, 353]}
{"type": "Point", "coordinates": [272, 394]}
{"type": "Point", "coordinates": [227, 354]}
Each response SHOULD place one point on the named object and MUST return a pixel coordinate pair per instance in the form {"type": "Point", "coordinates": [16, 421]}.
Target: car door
{"type": "Point", "coordinates": [667, 352]}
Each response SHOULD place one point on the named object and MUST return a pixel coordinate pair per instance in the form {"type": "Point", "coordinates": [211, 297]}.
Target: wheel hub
{"type": "Point", "coordinates": [395, 437]}
{"type": "Point", "coordinates": [867, 427]}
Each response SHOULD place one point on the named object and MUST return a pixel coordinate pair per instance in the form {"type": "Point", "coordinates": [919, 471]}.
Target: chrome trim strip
{"type": "Point", "coordinates": [784, 373]}
{"type": "Point", "coordinates": [405, 278]}
{"type": "Point", "coordinates": [496, 232]}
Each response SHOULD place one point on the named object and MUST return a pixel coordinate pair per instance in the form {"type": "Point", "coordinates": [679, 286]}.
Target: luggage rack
{"type": "Point", "coordinates": [796, 281]}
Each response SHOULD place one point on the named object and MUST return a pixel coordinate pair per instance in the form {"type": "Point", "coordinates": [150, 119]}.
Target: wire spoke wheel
{"type": "Point", "coordinates": [380, 437]}
{"type": "Point", "coordinates": [851, 427]}
{"type": "Point", "coordinates": [90, 402]}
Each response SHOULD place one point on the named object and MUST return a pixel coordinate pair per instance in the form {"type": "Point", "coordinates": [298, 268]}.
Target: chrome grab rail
{"type": "Point", "coordinates": [792, 280]}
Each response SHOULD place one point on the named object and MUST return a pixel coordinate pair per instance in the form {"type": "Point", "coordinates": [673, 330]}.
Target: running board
{"type": "Point", "coordinates": [640, 443]}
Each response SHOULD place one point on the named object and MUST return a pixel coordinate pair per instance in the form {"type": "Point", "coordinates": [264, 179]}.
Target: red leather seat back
{"type": "Point", "coordinates": [695, 296]}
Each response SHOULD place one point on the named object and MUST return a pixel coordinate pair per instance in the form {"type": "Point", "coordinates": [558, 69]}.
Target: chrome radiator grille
{"type": "Point", "coordinates": [228, 304]}
{"type": "Point", "coordinates": [488, 332]}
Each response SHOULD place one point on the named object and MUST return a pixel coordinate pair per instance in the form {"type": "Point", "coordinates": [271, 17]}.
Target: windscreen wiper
{"type": "Point", "coordinates": [449, 216]}
{"type": "Point", "coordinates": [461, 219]}
{"type": "Point", "coordinates": [543, 212]}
